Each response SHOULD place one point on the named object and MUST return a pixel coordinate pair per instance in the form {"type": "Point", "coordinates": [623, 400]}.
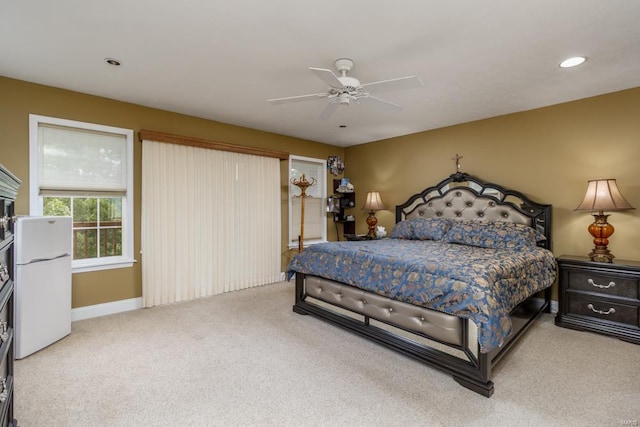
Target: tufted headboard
{"type": "Point", "coordinates": [462, 196]}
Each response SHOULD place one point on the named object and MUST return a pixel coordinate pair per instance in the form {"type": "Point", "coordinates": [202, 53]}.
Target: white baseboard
{"type": "Point", "coordinates": [105, 309]}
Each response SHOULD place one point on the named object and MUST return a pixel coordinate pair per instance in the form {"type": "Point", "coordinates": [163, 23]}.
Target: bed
{"type": "Point", "coordinates": [465, 272]}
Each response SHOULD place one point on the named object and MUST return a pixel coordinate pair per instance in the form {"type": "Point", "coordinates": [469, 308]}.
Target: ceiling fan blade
{"type": "Point", "coordinates": [410, 82]}
{"type": "Point", "coordinates": [380, 104]}
{"type": "Point", "coordinates": [328, 111]}
{"type": "Point", "coordinates": [297, 98]}
{"type": "Point", "coordinates": [327, 76]}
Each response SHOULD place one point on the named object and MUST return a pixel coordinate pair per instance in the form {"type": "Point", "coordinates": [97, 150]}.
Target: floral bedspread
{"type": "Point", "coordinates": [480, 284]}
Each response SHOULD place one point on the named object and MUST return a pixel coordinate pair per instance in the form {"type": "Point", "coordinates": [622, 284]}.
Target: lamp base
{"type": "Point", "coordinates": [598, 255]}
{"type": "Point", "coordinates": [371, 222]}
{"type": "Point", "coordinates": [601, 230]}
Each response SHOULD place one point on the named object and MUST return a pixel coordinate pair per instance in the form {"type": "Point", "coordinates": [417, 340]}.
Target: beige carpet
{"type": "Point", "coordinates": [244, 358]}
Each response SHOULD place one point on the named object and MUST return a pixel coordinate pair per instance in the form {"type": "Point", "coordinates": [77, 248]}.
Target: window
{"type": "Point", "coordinates": [85, 171]}
{"type": "Point", "coordinates": [315, 216]}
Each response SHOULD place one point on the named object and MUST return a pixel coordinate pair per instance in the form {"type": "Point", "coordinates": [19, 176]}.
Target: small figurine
{"type": "Point", "coordinates": [345, 186]}
{"type": "Point", "coordinates": [380, 232]}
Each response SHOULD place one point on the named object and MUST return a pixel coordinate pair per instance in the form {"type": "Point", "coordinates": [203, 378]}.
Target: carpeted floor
{"type": "Point", "coordinates": [244, 358]}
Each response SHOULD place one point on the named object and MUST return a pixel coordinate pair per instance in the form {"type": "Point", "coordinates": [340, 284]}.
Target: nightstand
{"type": "Point", "coordinates": [600, 297]}
{"type": "Point", "coordinates": [356, 237]}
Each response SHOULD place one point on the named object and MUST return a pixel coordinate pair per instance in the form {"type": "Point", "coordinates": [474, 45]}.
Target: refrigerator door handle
{"type": "Point", "coordinates": [66, 254]}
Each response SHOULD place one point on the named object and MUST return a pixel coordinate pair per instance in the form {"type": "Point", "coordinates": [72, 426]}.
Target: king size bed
{"type": "Point", "coordinates": [465, 271]}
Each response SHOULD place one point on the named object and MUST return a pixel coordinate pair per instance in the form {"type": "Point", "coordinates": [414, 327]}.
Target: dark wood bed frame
{"type": "Point", "coordinates": [458, 196]}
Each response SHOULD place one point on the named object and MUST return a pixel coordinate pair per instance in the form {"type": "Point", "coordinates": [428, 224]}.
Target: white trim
{"type": "Point", "coordinates": [105, 309]}
{"type": "Point", "coordinates": [115, 307]}
{"type": "Point", "coordinates": [35, 198]}
{"type": "Point", "coordinates": [107, 264]}
{"type": "Point", "coordinates": [322, 183]}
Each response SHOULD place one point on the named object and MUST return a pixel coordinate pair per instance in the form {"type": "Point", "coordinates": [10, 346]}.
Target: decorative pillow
{"type": "Point", "coordinates": [421, 229]}
{"type": "Point", "coordinates": [429, 228]}
{"type": "Point", "coordinates": [495, 235]}
{"type": "Point", "coordinates": [402, 230]}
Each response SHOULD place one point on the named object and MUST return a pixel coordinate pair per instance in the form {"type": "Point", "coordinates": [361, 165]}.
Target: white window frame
{"type": "Point", "coordinates": [322, 192]}
{"type": "Point", "coordinates": [36, 201]}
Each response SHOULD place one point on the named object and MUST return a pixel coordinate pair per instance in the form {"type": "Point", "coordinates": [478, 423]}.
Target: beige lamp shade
{"type": "Point", "coordinates": [603, 195]}
{"type": "Point", "coordinates": [373, 202]}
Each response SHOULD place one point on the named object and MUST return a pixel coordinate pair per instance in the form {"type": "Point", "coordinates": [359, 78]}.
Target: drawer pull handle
{"type": "Point", "coordinates": [6, 221]}
{"type": "Point", "coordinates": [610, 285]}
{"type": "Point", "coordinates": [4, 394]}
{"type": "Point", "coordinates": [4, 334]}
{"type": "Point", "coordinates": [4, 272]}
{"type": "Point", "coordinates": [610, 311]}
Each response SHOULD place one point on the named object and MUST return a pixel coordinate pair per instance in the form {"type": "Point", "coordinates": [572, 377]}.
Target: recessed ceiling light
{"type": "Point", "coordinates": [572, 62]}
{"type": "Point", "coordinates": [113, 62]}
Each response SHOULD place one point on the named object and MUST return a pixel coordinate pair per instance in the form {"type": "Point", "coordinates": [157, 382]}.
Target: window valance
{"type": "Point", "coordinates": [151, 135]}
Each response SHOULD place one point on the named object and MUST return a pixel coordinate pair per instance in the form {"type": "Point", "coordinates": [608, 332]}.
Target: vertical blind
{"type": "Point", "coordinates": [211, 222]}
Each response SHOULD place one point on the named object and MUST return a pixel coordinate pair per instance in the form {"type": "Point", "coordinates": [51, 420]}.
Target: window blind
{"type": "Point", "coordinates": [81, 160]}
{"type": "Point", "coordinates": [314, 208]}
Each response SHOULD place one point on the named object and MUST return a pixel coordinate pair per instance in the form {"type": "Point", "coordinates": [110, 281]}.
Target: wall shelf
{"type": "Point", "coordinates": [347, 201]}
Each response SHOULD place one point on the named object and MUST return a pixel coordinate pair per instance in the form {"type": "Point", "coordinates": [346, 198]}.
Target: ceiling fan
{"type": "Point", "coordinates": [344, 89]}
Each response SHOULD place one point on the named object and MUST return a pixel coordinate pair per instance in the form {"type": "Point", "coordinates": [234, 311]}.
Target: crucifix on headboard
{"type": "Point", "coordinates": [457, 160]}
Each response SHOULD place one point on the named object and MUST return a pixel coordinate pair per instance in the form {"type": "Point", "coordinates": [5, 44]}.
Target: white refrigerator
{"type": "Point", "coordinates": [42, 253]}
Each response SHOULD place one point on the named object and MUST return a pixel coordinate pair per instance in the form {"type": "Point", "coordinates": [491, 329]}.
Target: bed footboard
{"type": "Point", "coordinates": [443, 341]}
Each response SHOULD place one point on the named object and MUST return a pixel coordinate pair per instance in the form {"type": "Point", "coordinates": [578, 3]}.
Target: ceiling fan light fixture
{"type": "Point", "coordinates": [350, 83]}
{"type": "Point", "coordinates": [343, 89]}
{"type": "Point", "coordinates": [572, 62]}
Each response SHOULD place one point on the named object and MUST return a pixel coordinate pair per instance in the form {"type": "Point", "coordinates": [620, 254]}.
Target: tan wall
{"type": "Point", "coordinates": [19, 99]}
{"type": "Point", "coordinates": [548, 154]}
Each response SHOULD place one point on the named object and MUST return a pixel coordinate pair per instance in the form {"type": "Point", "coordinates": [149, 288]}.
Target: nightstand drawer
{"type": "Point", "coordinates": [603, 283]}
{"type": "Point", "coordinates": [605, 310]}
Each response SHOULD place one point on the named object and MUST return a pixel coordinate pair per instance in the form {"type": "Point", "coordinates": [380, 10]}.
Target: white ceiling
{"type": "Point", "coordinates": [222, 60]}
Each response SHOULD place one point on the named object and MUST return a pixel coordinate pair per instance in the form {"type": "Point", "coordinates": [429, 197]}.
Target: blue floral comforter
{"type": "Point", "coordinates": [480, 284]}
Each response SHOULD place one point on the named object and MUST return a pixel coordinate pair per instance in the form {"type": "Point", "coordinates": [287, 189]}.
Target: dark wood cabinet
{"type": "Point", "coordinates": [600, 297]}
{"type": "Point", "coordinates": [8, 190]}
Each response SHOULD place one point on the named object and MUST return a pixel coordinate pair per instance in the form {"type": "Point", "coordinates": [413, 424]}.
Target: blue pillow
{"type": "Point", "coordinates": [494, 235]}
{"type": "Point", "coordinates": [421, 229]}
{"type": "Point", "coordinates": [402, 230]}
{"type": "Point", "coordinates": [430, 228]}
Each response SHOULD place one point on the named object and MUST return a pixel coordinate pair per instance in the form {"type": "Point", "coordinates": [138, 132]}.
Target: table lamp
{"type": "Point", "coordinates": [602, 195]}
{"type": "Point", "coordinates": [372, 204]}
